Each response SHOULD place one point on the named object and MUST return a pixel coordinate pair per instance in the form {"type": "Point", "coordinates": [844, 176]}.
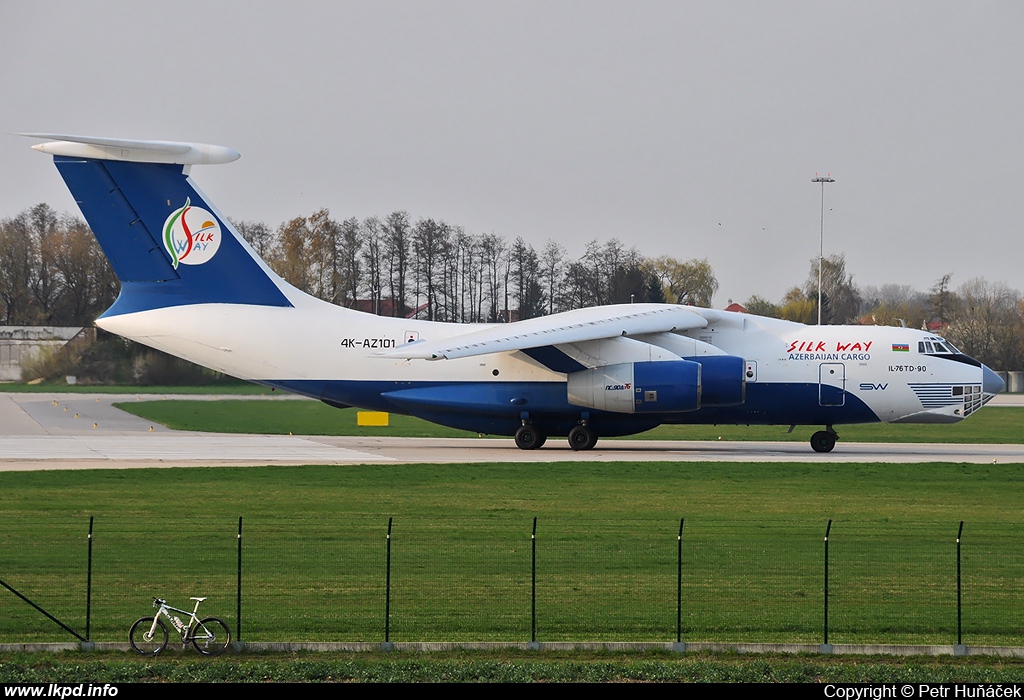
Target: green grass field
{"type": "Point", "coordinates": [314, 543]}
{"type": "Point", "coordinates": [991, 425]}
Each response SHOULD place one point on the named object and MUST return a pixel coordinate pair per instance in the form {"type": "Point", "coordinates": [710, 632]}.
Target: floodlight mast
{"type": "Point", "coordinates": [821, 236]}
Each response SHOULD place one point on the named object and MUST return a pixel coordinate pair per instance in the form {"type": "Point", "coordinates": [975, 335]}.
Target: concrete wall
{"type": "Point", "coordinates": [19, 343]}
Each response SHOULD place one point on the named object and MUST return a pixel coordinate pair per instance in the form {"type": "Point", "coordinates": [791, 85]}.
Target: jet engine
{"type": "Point", "coordinates": [638, 387]}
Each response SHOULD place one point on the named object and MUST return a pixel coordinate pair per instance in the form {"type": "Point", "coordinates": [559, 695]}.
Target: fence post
{"type": "Point", "coordinates": [88, 585]}
{"type": "Point", "coordinates": [387, 645]}
{"type": "Point", "coordinates": [679, 645]}
{"type": "Point", "coordinates": [533, 588]}
{"type": "Point", "coordinates": [959, 649]}
{"type": "Point", "coordinates": [826, 648]}
{"type": "Point", "coordinates": [238, 588]}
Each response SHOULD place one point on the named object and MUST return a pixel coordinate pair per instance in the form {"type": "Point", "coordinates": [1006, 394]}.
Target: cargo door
{"type": "Point", "coordinates": [832, 384]}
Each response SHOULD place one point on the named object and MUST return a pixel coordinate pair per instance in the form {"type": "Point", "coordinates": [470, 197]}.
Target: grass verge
{"type": "Point", "coordinates": [505, 667]}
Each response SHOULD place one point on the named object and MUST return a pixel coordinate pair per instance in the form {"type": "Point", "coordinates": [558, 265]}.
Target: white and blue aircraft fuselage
{"type": "Point", "coordinates": [192, 287]}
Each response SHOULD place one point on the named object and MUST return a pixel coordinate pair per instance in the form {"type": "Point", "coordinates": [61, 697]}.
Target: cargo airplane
{"type": "Point", "coordinates": [191, 286]}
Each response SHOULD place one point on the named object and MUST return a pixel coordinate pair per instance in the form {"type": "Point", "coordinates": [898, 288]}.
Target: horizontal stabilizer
{"type": "Point", "coordinates": [568, 327]}
{"type": "Point", "coordinates": [99, 148]}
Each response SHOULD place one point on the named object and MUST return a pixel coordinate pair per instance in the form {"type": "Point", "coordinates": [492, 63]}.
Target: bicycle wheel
{"type": "Point", "coordinates": [211, 636]}
{"type": "Point", "coordinates": [145, 643]}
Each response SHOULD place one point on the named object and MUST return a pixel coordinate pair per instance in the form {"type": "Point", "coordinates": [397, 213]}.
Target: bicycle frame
{"type": "Point", "coordinates": [184, 628]}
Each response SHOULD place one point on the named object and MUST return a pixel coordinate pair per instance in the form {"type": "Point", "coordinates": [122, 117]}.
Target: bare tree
{"type": "Point", "coordinates": [45, 282]}
{"type": "Point", "coordinates": [464, 249]}
{"type": "Point", "coordinates": [551, 271]}
{"type": "Point", "coordinates": [258, 235]}
{"type": "Point", "coordinates": [18, 254]}
{"type": "Point", "coordinates": [349, 246]}
{"type": "Point", "coordinates": [525, 266]}
{"type": "Point", "coordinates": [577, 289]}
{"type": "Point", "coordinates": [987, 323]}
{"type": "Point", "coordinates": [396, 251]}
{"type": "Point", "coordinates": [429, 242]}
{"type": "Point", "coordinates": [895, 305]}
{"type": "Point", "coordinates": [373, 260]}
{"type": "Point", "coordinates": [493, 252]}
{"type": "Point", "coordinates": [88, 284]}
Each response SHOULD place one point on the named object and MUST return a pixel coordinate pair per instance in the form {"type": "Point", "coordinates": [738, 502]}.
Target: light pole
{"type": "Point", "coordinates": [821, 236]}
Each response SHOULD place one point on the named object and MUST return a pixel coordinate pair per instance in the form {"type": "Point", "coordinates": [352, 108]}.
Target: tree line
{"type": "Point", "coordinates": [52, 272]}
{"type": "Point", "coordinates": [396, 266]}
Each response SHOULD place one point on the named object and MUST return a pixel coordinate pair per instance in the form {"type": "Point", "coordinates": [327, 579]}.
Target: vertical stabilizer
{"type": "Point", "coordinates": [166, 243]}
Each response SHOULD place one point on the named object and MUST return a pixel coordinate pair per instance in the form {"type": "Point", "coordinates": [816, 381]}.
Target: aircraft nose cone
{"type": "Point", "coordinates": [991, 383]}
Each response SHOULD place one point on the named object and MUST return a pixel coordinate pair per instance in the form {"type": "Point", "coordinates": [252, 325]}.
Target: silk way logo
{"type": "Point", "coordinates": [191, 235]}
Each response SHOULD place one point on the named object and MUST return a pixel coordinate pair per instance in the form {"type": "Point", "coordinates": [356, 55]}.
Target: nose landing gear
{"type": "Point", "coordinates": [824, 440]}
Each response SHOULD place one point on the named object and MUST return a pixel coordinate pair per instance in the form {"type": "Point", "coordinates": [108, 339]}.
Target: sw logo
{"type": "Point", "coordinates": [191, 235]}
{"type": "Point", "coordinates": [872, 387]}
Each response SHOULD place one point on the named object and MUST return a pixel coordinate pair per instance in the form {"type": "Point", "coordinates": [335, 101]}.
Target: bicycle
{"type": "Point", "coordinates": [148, 636]}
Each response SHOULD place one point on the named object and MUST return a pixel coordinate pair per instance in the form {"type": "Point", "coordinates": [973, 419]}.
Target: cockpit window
{"type": "Point", "coordinates": [928, 347]}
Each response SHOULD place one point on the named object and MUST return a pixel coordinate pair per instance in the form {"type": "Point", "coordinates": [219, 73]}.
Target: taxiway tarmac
{"type": "Point", "coordinates": [85, 431]}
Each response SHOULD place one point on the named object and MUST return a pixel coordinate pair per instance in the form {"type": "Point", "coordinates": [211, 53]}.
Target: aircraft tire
{"type": "Point", "coordinates": [582, 438]}
{"type": "Point", "coordinates": [528, 438]}
{"type": "Point", "coordinates": [823, 441]}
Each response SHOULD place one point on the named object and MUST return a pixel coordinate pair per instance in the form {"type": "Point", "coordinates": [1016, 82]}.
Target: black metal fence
{"type": "Point", "coordinates": [375, 578]}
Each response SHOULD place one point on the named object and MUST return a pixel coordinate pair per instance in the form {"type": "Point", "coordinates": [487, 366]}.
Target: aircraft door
{"type": "Point", "coordinates": [832, 384]}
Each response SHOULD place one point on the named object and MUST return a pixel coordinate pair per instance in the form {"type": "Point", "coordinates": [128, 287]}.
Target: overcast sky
{"type": "Point", "coordinates": [690, 129]}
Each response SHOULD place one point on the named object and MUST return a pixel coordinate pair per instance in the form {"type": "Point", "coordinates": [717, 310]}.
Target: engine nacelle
{"type": "Point", "coordinates": [723, 380]}
{"type": "Point", "coordinates": [638, 387]}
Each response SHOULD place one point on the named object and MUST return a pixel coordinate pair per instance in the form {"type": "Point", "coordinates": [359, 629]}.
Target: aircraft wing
{"type": "Point", "coordinates": [576, 326]}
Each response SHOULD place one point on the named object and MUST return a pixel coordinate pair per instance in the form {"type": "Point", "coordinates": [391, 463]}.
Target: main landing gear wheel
{"type": "Point", "coordinates": [582, 438]}
{"type": "Point", "coordinates": [529, 438]}
{"type": "Point", "coordinates": [823, 441]}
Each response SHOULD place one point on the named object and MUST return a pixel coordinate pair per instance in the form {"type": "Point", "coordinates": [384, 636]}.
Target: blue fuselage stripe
{"type": "Point", "coordinates": [497, 407]}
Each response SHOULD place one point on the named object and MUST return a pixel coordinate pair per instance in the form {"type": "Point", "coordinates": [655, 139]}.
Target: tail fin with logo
{"type": "Point", "coordinates": [167, 244]}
